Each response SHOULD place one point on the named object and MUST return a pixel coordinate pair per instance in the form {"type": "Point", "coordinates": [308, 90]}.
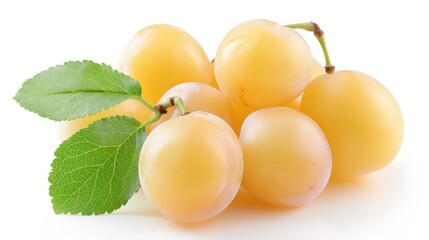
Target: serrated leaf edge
{"type": "Point", "coordinates": [122, 203]}
{"type": "Point", "coordinates": [64, 64]}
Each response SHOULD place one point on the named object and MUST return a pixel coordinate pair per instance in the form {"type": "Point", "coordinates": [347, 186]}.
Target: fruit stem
{"type": "Point", "coordinates": [173, 101]}
{"type": "Point", "coordinates": [179, 102]}
{"type": "Point", "coordinates": [162, 108]}
{"type": "Point", "coordinates": [320, 36]}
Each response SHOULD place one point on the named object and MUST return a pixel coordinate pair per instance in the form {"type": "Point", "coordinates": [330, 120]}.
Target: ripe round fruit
{"type": "Point", "coordinates": [191, 167]}
{"type": "Point", "coordinates": [263, 64]}
{"type": "Point", "coordinates": [317, 71]}
{"type": "Point", "coordinates": [162, 56]}
{"type": "Point", "coordinates": [199, 97]}
{"type": "Point", "coordinates": [286, 156]}
{"type": "Point", "coordinates": [360, 118]}
{"type": "Point", "coordinates": [130, 108]}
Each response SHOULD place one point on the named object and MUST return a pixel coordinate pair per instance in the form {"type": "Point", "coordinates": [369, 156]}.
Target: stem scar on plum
{"type": "Point", "coordinates": [242, 98]}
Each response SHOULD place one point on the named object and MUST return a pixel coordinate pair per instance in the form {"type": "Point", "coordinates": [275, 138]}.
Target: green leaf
{"type": "Point", "coordinates": [96, 170]}
{"type": "Point", "coordinates": [75, 89]}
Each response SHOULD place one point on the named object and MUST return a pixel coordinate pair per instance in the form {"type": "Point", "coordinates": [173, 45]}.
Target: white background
{"type": "Point", "coordinates": [386, 39]}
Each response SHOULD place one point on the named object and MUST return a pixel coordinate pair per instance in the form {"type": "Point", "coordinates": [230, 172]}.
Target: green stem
{"type": "Point", "coordinates": [173, 101]}
{"type": "Point", "coordinates": [144, 102]}
{"type": "Point", "coordinates": [314, 27]}
{"type": "Point", "coordinates": [155, 118]}
{"type": "Point", "coordinates": [161, 108]}
{"type": "Point", "coordinates": [179, 102]}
